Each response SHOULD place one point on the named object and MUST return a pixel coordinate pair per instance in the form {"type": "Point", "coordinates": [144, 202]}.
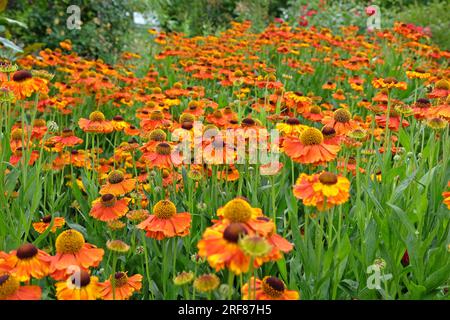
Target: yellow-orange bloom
{"type": "Point", "coordinates": [446, 196]}
{"type": "Point", "coordinates": [389, 83]}
{"type": "Point", "coordinates": [108, 207]}
{"type": "Point", "coordinates": [124, 286]}
{"type": "Point", "coordinates": [269, 288]}
{"type": "Point", "coordinates": [310, 148]}
{"type": "Point", "coordinates": [10, 289]}
{"type": "Point", "coordinates": [341, 122]}
{"type": "Point", "coordinates": [239, 210]}
{"type": "Point", "coordinates": [71, 251]}
{"type": "Point", "coordinates": [23, 85]}
{"type": "Point", "coordinates": [324, 190]}
{"type": "Point", "coordinates": [96, 123]}
{"type": "Point", "coordinates": [219, 246]}
{"type": "Point", "coordinates": [117, 184]}
{"type": "Point", "coordinates": [165, 222]}
{"type": "Point", "coordinates": [46, 222]}
{"type": "Point", "coordinates": [79, 286]}
{"type": "Point", "coordinates": [26, 262]}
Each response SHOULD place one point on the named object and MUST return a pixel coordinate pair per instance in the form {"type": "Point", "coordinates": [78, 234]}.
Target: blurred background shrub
{"type": "Point", "coordinates": [106, 25]}
{"type": "Point", "coordinates": [199, 17]}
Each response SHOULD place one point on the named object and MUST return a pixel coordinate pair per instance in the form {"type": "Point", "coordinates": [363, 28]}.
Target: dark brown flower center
{"type": "Point", "coordinates": [187, 125]}
{"type": "Point", "coordinates": [420, 70]}
{"type": "Point", "coordinates": [108, 200]}
{"type": "Point", "coordinates": [115, 177]}
{"type": "Point", "coordinates": [227, 110]}
{"type": "Point", "coordinates": [3, 279]}
{"type": "Point", "coordinates": [275, 283]}
{"type": "Point", "coordinates": [120, 279]}
{"type": "Point", "coordinates": [22, 75]}
{"type": "Point", "coordinates": [163, 148]}
{"type": "Point", "coordinates": [293, 121]}
{"type": "Point", "coordinates": [328, 132]}
{"type": "Point", "coordinates": [67, 132]}
{"type": "Point", "coordinates": [273, 287]}
{"type": "Point", "coordinates": [423, 103]}
{"type": "Point", "coordinates": [328, 178]}
{"type": "Point", "coordinates": [390, 80]}
{"type": "Point", "coordinates": [248, 122]}
{"type": "Point", "coordinates": [26, 251]}
{"type": "Point", "coordinates": [234, 231]}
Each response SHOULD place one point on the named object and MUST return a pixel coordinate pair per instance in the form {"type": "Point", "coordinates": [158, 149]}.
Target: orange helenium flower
{"type": "Point", "coordinates": [446, 196]}
{"type": "Point", "coordinates": [27, 262]}
{"type": "Point", "coordinates": [117, 184]}
{"type": "Point", "coordinates": [79, 286]}
{"type": "Point", "coordinates": [108, 207]}
{"type": "Point", "coordinates": [66, 139]}
{"type": "Point", "coordinates": [162, 157]}
{"type": "Point", "coordinates": [310, 148]}
{"type": "Point", "coordinates": [96, 123]}
{"type": "Point", "coordinates": [45, 223]}
{"type": "Point", "coordinates": [389, 83]}
{"type": "Point", "coordinates": [23, 85]}
{"type": "Point", "coordinates": [269, 288]}
{"type": "Point", "coordinates": [10, 289]}
{"type": "Point", "coordinates": [72, 250]}
{"type": "Point", "coordinates": [323, 190]}
{"type": "Point", "coordinates": [239, 210]}
{"type": "Point", "coordinates": [341, 122]}
{"type": "Point", "coordinates": [165, 222]}
{"type": "Point", "coordinates": [124, 286]}
{"type": "Point", "coordinates": [219, 246]}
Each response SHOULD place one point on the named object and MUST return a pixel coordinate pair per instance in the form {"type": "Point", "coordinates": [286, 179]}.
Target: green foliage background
{"type": "Point", "coordinates": [108, 27]}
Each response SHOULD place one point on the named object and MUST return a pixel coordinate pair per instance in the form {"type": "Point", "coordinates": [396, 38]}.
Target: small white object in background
{"type": "Point", "coordinates": [145, 19]}
{"type": "Point", "coordinates": [374, 18]}
{"type": "Point", "coordinates": [74, 20]}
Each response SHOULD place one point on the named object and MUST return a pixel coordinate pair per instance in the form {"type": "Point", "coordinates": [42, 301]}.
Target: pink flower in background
{"type": "Point", "coordinates": [370, 11]}
{"type": "Point", "coordinates": [419, 29]}
{"type": "Point", "coordinates": [278, 20]}
{"type": "Point", "coordinates": [303, 22]}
